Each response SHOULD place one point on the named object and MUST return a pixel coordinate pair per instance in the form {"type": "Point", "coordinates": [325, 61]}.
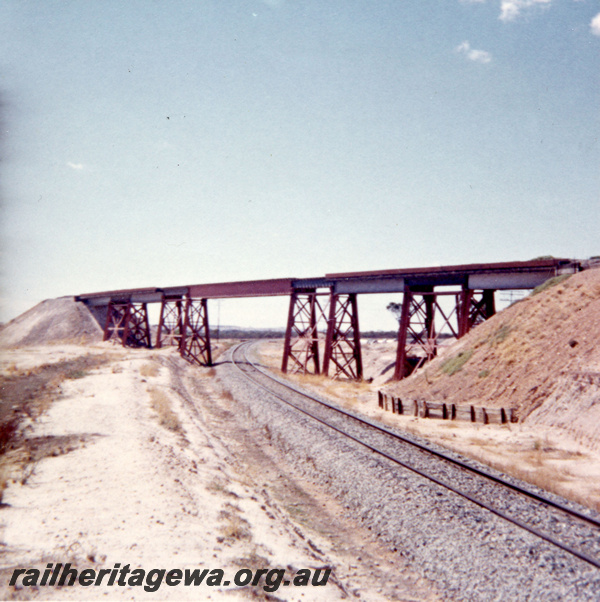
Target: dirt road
{"type": "Point", "coordinates": [160, 473]}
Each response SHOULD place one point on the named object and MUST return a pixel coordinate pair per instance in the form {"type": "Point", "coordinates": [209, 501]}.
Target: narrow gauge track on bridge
{"type": "Point", "coordinates": [569, 529]}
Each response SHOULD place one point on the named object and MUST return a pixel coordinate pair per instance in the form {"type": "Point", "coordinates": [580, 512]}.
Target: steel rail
{"type": "Point", "coordinates": [474, 500]}
{"type": "Point", "coordinates": [433, 452]}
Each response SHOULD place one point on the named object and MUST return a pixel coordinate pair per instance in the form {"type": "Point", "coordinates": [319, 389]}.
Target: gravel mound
{"type": "Point", "coordinates": [61, 320]}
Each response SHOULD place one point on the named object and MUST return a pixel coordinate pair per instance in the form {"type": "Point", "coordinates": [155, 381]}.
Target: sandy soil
{"type": "Point", "coordinates": [173, 484]}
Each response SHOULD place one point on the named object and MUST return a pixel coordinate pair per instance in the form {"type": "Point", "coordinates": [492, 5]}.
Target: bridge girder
{"type": "Point", "coordinates": [184, 312]}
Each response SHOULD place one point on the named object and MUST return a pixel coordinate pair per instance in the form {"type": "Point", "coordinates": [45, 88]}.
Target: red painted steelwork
{"type": "Point", "coordinates": [418, 333]}
{"type": "Point", "coordinates": [170, 323]}
{"type": "Point", "coordinates": [128, 324]}
{"type": "Point", "coordinates": [511, 266]}
{"type": "Point", "coordinates": [342, 344]}
{"type": "Point", "coordinates": [194, 345]}
{"type": "Point", "coordinates": [127, 316]}
{"type": "Point", "coordinates": [249, 288]}
{"type": "Point", "coordinates": [439, 275]}
{"type": "Point", "coordinates": [475, 307]}
{"type": "Point", "coordinates": [402, 367]}
{"type": "Point", "coordinates": [301, 346]}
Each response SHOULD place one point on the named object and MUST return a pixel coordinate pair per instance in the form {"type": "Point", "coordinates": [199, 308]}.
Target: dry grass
{"type": "Point", "coordinates": [253, 560]}
{"type": "Point", "coordinates": [455, 364]}
{"type": "Point", "coordinates": [235, 527]}
{"type": "Point", "coordinates": [161, 404]}
{"type": "Point", "coordinates": [347, 391]}
{"type": "Point", "coordinates": [550, 283]}
{"type": "Point", "coordinates": [539, 464]}
{"type": "Point", "coordinates": [227, 395]}
{"type": "Point", "coordinates": [546, 476]}
{"type": "Point", "coordinates": [149, 370]}
{"type": "Point", "coordinates": [30, 392]}
{"type": "Point", "coordinates": [4, 479]}
{"type": "Point", "coordinates": [534, 460]}
{"type": "Point", "coordinates": [26, 395]}
{"type": "Point", "coordinates": [220, 486]}
{"type": "Point", "coordinates": [11, 369]}
{"type": "Point", "coordinates": [217, 486]}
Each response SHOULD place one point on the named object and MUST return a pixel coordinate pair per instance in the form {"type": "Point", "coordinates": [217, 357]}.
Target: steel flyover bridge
{"type": "Point", "coordinates": [329, 304]}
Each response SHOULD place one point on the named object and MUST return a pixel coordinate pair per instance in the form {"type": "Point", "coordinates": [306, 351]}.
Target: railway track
{"type": "Point", "coordinates": [559, 523]}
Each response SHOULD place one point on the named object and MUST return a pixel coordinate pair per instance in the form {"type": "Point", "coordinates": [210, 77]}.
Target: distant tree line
{"type": "Point", "coordinates": [241, 333]}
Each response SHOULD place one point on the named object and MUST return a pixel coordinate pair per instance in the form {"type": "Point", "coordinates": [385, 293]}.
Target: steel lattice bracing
{"type": "Point", "coordinates": [117, 316]}
{"type": "Point", "coordinates": [128, 324]}
{"type": "Point", "coordinates": [170, 324]}
{"type": "Point", "coordinates": [423, 320]}
{"type": "Point", "coordinates": [481, 306]}
{"type": "Point", "coordinates": [194, 345]}
{"type": "Point", "coordinates": [301, 346]}
{"type": "Point", "coordinates": [342, 344]}
{"type": "Point", "coordinates": [417, 326]}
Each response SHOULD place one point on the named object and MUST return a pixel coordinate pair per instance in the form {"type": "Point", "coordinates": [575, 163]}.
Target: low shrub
{"type": "Point", "coordinates": [161, 404]}
{"type": "Point", "coordinates": [501, 334]}
{"type": "Point", "coordinates": [455, 364]}
{"type": "Point", "coordinates": [76, 374]}
{"type": "Point", "coordinates": [149, 369]}
{"type": "Point", "coordinates": [549, 283]}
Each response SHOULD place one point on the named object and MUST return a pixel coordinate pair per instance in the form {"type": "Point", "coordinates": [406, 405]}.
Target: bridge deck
{"type": "Point", "coordinates": [184, 314]}
{"type": "Point", "coordinates": [506, 275]}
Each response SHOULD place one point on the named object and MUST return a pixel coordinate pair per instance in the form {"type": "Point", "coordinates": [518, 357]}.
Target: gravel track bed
{"type": "Point", "coordinates": [471, 553]}
{"type": "Point", "coordinates": [569, 530]}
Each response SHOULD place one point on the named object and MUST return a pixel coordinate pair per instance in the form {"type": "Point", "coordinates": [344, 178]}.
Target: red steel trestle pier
{"type": "Point", "coordinates": [419, 328]}
{"type": "Point", "coordinates": [342, 343]}
{"type": "Point", "coordinates": [128, 322]}
{"type": "Point", "coordinates": [301, 344]}
{"type": "Point", "coordinates": [437, 302]}
{"type": "Point", "coordinates": [194, 344]}
{"type": "Point", "coordinates": [310, 310]}
{"type": "Point", "coordinates": [170, 323]}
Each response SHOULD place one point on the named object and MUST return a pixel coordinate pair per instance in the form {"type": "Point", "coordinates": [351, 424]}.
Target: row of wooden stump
{"type": "Point", "coordinates": [445, 411]}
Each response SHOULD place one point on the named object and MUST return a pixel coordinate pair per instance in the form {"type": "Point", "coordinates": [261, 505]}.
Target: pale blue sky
{"type": "Point", "coordinates": [156, 143]}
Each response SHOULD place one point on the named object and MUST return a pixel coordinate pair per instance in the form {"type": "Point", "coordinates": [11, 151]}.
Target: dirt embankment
{"type": "Point", "coordinates": [61, 320]}
{"type": "Point", "coordinates": [540, 356]}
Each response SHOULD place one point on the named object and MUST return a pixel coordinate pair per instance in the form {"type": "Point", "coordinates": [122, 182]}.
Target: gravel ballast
{"type": "Point", "coordinates": [470, 553]}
